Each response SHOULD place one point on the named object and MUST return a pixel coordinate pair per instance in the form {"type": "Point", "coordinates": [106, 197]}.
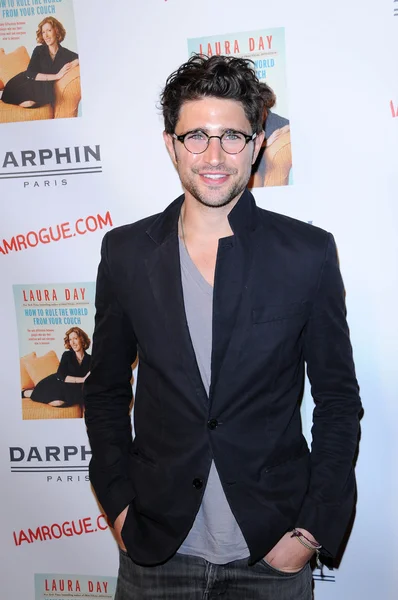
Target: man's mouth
{"type": "Point", "coordinates": [214, 175]}
{"type": "Point", "coordinates": [214, 178]}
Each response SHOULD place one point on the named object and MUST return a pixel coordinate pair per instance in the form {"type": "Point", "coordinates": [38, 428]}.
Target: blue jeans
{"type": "Point", "coordinates": [192, 578]}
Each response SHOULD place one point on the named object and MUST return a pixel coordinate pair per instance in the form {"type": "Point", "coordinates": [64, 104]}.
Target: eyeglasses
{"type": "Point", "coordinates": [232, 142]}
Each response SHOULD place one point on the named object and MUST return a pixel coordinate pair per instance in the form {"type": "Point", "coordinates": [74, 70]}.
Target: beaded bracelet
{"type": "Point", "coordinates": [299, 534]}
{"type": "Point", "coordinates": [310, 546]}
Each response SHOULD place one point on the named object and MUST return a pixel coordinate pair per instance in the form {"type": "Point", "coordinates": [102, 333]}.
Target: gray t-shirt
{"type": "Point", "coordinates": [215, 534]}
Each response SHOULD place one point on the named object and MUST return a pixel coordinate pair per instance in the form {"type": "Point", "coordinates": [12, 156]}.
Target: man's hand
{"type": "Point", "coordinates": [118, 525]}
{"type": "Point", "coordinates": [288, 555]}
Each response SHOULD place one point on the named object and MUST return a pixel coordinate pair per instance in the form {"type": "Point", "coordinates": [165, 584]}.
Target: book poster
{"type": "Point", "coordinates": [55, 326]}
{"type": "Point", "coordinates": [50, 586]}
{"type": "Point", "coordinates": [266, 48]}
{"type": "Point", "coordinates": [39, 61]}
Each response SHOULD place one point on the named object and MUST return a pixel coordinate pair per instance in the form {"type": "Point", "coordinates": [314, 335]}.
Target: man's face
{"type": "Point", "coordinates": [213, 178]}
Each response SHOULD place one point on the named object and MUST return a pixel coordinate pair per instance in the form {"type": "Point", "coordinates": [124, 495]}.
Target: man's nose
{"type": "Point", "coordinates": [214, 152]}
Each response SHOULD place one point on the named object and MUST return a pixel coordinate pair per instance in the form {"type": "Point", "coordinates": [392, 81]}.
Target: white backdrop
{"type": "Point", "coordinates": [341, 78]}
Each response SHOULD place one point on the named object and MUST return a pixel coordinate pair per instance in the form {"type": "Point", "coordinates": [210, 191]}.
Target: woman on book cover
{"type": "Point", "coordinates": [50, 62]}
{"type": "Point", "coordinates": [65, 387]}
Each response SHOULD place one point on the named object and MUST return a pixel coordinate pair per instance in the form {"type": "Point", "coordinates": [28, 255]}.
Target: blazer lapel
{"type": "Point", "coordinates": [164, 273]}
{"type": "Point", "coordinates": [234, 262]}
{"type": "Point", "coordinates": [233, 269]}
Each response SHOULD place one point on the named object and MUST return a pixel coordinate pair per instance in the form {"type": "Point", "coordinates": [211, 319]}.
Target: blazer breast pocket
{"type": "Point", "coordinates": [277, 312]}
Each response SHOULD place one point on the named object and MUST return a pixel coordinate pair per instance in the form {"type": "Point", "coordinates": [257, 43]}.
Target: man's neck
{"type": "Point", "coordinates": [206, 222]}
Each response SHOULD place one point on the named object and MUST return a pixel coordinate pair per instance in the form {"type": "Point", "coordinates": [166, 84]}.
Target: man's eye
{"type": "Point", "coordinates": [232, 135]}
{"type": "Point", "coordinates": [196, 135]}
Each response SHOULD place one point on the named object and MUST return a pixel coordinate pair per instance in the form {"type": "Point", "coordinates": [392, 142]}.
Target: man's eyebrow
{"type": "Point", "coordinates": [208, 131]}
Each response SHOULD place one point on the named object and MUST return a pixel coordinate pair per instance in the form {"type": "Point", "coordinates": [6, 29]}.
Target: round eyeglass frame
{"type": "Point", "coordinates": [248, 138]}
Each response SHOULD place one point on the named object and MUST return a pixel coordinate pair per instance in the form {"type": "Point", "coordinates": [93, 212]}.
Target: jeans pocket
{"type": "Point", "coordinates": [283, 573]}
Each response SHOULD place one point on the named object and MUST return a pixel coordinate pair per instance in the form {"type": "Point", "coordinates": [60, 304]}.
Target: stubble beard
{"type": "Point", "coordinates": [205, 199]}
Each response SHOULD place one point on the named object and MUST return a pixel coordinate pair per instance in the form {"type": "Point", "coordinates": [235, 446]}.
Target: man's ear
{"type": "Point", "coordinates": [169, 141]}
{"type": "Point", "coordinates": [258, 142]}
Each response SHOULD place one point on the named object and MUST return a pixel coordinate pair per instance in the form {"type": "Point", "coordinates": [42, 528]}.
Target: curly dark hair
{"type": "Point", "coordinates": [85, 340]}
{"type": "Point", "coordinates": [221, 77]}
{"type": "Point", "coordinates": [59, 29]}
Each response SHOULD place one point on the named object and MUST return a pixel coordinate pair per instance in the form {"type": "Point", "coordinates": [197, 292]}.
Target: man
{"type": "Point", "coordinates": [224, 303]}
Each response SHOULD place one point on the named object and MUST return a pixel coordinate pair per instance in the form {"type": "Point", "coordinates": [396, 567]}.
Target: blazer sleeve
{"type": "Point", "coordinates": [108, 394]}
{"type": "Point", "coordinates": [330, 497]}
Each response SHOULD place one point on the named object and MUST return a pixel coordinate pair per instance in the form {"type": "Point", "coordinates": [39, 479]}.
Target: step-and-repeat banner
{"type": "Point", "coordinates": [91, 157]}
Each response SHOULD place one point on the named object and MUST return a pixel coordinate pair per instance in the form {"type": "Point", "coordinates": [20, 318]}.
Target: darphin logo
{"type": "Point", "coordinates": [58, 464]}
{"type": "Point", "coordinates": [50, 162]}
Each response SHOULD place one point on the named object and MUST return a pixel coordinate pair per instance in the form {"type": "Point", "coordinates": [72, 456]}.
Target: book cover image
{"type": "Point", "coordinates": [55, 326]}
{"type": "Point", "coordinates": [266, 48]}
{"type": "Point", "coordinates": [39, 61]}
{"type": "Point", "coordinates": [66, 587]}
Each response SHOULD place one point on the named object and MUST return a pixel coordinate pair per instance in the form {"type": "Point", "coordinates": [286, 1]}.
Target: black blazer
{"type": "Point", "coordinates": [278, 303]}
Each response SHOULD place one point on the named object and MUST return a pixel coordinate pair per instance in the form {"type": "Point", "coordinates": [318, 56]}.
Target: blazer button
{"type": "Point", "coordinates": [212, 424]}
{"type": "Point", "coordinates": [197, 483]}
